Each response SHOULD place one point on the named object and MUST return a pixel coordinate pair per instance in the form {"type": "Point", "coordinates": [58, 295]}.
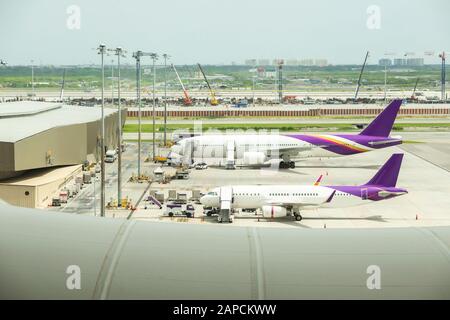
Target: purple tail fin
{"type": "Point", "coordinates": [388, 174]}
{"type": "Point", "coordinates": [381, 126]}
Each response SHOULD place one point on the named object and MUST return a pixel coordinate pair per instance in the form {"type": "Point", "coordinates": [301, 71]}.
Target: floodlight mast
{"type": "Point", "coordinates": [154, 57]}
{"type": "Point", "coordinates": [101, 50]}
{"type": "Point", "coordinates": [137, 55]}
{"type": "Point", "coordinates": [443, 56]}
{"type": "Point", "coordinates": [119, 52]}
{"type": "Point", "coordinates": [165, 56]}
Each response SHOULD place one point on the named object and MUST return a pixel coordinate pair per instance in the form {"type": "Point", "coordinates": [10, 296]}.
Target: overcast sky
{"type": "Point", "coordinates": [222, 31]}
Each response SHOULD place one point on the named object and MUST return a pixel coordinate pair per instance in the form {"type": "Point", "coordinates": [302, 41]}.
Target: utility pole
{"type": "Point", "coordinates": [119, 52]}
{"type": "Point", "coordinates": [154, 57]}
{"type": "Point", "coordinates": [101, 51]}
{"type": "Point", "coordinates": [166, 56]}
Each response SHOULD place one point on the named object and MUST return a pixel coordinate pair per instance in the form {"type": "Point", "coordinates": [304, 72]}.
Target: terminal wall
{"type": "Point", "coordinates": [55, 147]}
{"type": "Point", "coordinates": [6, 159]}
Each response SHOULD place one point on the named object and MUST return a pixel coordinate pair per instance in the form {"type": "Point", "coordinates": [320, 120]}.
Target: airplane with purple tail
{"type": "Point", "coordinates": [289, 200]}
{"type": "Point", "coordinates": [262, 149]}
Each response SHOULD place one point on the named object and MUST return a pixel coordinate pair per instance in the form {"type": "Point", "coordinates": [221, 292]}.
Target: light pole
{"type": "Point", "coordinates": [112, 82]}
{"type": "Point", "coordinates": [120, 53]}
{"type": "Point", "coordinates": [166, 56]}
{"type": "Point", "coordinates": [253, 89]}
{"type": "Point", "coordinates": [154, 57]}
{"type": "Point", "coordinates": [137, 55]}
{"type": "Point", "coordinates": [32, 78]}
{"type": "Point", "coordinates": [442, 56]}
{"type": "Point", "coordinates": [101, 51]}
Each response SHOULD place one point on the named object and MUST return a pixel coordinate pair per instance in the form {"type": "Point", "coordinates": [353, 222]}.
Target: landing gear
{"type": "Point", "coordinates": [287, 165]}
{"type": "Point", "coordinates": [298, 217]}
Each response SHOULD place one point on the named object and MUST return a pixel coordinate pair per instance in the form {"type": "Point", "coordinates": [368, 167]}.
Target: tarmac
{"type": "Point", "coordinates": [425, 173]}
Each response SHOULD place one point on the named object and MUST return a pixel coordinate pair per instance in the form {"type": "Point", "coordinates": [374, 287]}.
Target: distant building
{"type": "Point", "coordinates": [321, 62]}
{"type": "Point", "coordinates": [264, 62]}
{"type": "Point", "coordinates": [292, 62]}
{"type": "Point", "coordinates": [276, 62]}
{"type": "Point", "coordinates": [399, 62]}
{"type": "Point", "coordinates": [250, 62]}
{"type": "Point", "coordinates": [414, 62]}
{"type": "Point", "coordinates": [306, 62]}
{"type": "Point", "coordinates": [385, 62]}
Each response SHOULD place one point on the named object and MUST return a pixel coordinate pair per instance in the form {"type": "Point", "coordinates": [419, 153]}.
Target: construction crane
{"type": "Point", "coordinates": [187, 99]}
{"type": "Point", "coordinates": [413, 96]}
{"type": "Point", "coordinates": [213, 100]}
{"type": "Point", "coordinates": [360, 75]}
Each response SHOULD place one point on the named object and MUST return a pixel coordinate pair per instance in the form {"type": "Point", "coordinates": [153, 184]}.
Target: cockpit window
{"type": "Point", "coordinates": [212, 193]}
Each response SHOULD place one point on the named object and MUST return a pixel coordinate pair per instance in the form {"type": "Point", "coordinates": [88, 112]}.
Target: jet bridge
{"type": "Point", "coordinates": [231, 155]}
{"type": "Point", "coordinates": [226, 199]}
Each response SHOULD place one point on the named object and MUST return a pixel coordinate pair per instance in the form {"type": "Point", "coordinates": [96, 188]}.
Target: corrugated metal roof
{"type": "Point", "coordinates": [25, 108]}
{"type": "Point", "coordinates": [27, 118]}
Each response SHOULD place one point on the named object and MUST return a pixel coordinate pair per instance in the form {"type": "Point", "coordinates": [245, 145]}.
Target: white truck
{"type": "Point", "coordinates": [175, 209]}
{"type": "Point", "coordinates": [110, 156]}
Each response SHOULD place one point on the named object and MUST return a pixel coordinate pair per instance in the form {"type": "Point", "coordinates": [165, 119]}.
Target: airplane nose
{"type": "Point", "coordinates": [176, 149]}
{"type": "Point", "coordinates": [203, 200]}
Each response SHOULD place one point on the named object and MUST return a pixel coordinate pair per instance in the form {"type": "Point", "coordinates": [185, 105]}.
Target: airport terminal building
{"type": "Point", "coordinates": [42, 145]}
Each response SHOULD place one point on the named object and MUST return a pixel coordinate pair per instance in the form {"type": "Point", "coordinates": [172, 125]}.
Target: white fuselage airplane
{"type": "Point", "coordinates": [261, 149]}
{"type": "Point", "coordinates": [281, 200]}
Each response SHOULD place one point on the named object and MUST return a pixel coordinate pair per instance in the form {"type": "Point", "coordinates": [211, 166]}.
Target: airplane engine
{"type": "Point", "coordinates": [274, 211]}
{"type": "Point", "coordinates": [254, 158]}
